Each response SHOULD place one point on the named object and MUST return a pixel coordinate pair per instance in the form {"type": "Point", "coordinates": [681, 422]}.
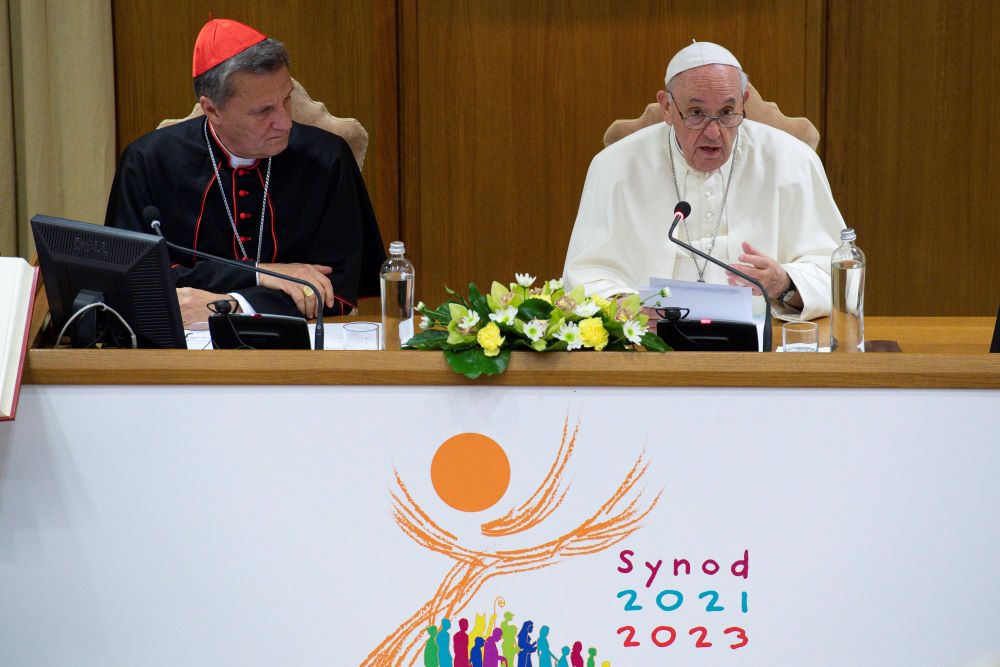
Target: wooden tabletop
{"type": "Point", "coordinates": [936, 352]}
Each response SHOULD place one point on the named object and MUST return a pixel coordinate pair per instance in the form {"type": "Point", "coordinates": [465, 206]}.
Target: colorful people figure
{"type": "Point", "coordinates": [491, 654]}
{"type": "Point", "coordinates": [525, 646]}
{"type": "Point", "coordinates": [509, 645]}
{"type": "Point", "coordinates": [544, 652]}
{"type": "Point", "coordinates": [461, 643]}
{"type": "Point", "coordinates": [576, 657]}
{"type": "Point", "coordinates": [430, 648]}
{"type": "Point", "coordinates": [606, 663]}
{"type": "Point", "coordinates": [592, 660]}
{"type": "Point", "coordinates": [443, 644]}
{"type": "Point", "coordinates": [476, 658]}
{"type": "Point", "coordinates": [480, 629]}
{"type": "Point", "coordinates": [564, 658]}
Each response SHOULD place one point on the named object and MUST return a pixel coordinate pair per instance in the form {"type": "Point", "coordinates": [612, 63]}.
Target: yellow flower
{"type": "Point", "coordinates": [490, 340]}
{"type": "Point", "coordinates": [593, 333]}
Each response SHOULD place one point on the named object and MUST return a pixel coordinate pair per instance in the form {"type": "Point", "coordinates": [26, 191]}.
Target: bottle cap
{"type": "Point", "coordinates": [848, 235]}
{"type": "Point", "coordinates": [397, 248]}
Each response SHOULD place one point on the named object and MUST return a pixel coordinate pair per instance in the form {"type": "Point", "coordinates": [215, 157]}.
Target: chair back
{"type": "Point", "coordinates": [757, 109]}
{"type": "Point", "coordinates": [308, 111]}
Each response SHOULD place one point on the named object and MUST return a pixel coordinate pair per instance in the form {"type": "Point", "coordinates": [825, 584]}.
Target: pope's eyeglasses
{"type": "Point", "coordinates": [697, 121]}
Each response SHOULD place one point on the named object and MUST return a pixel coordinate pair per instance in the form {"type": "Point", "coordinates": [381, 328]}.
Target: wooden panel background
{"type": "Point", "coordinates": [913, 149]}
{"type": "Point", "coordinates": [484, 115]}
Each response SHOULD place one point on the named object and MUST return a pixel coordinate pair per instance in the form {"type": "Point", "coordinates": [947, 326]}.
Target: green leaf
{"type": "Point", "coordinates": [614, 328]}
{"type": "Point", "coordinates": [478, 302]}
{"type": "Point", "coordinates": [535, 309]}
{"type": "Point", "coordinates": [473, 363]}
{"type": "Point", "coordinates": [427, 340]}
{"type": "Point", "coordinates": [654, 343]}
{"type": "Point", "coordinates": [557, 346]}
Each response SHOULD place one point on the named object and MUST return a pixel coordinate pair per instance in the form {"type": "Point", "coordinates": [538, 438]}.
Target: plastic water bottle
{"type": "Point", "coordinates": [847, 319]}
{"type": "Point", "coordinates": [397, 298]}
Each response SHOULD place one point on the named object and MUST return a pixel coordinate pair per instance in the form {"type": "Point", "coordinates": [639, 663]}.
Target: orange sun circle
{"type": "Point", "coordinates": [470, 472]}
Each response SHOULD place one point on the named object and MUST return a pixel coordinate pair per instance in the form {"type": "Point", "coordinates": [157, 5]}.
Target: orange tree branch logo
{"type": "Point", "coordinates": [617, 518]}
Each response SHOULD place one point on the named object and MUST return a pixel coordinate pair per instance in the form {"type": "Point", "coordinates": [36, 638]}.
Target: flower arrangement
{"type": "Point", "coordinates": [478, 332]}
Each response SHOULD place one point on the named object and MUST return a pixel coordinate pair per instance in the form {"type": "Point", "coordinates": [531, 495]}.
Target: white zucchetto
{"type": "Point", "coordinates": [697, 54]}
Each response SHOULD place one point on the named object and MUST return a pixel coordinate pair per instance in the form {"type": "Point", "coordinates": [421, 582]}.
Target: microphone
{"type": "Point", "coordinates": [683, 210]}
{"type": "Point", "coordinates": [151, 215]}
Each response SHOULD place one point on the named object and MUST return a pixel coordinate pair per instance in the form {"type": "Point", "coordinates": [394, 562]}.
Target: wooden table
{"type": "Point", "coordinates": [936, 352]}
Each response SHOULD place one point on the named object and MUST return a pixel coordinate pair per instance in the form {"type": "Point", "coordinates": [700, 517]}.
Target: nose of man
{"type": "Point", "coordinates": [713, 130]}
{"type": "Point", "coordinates": [282, 119]}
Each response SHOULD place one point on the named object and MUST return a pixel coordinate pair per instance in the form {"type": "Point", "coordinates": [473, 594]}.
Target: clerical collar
{"type": "Point", "coordinates": [235, 161]}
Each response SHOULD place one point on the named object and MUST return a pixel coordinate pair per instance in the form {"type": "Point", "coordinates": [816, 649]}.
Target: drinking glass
{"type": "Point", "coordinates": [800, 337]}
{"type": "Point", "coordinates": [361, 336]}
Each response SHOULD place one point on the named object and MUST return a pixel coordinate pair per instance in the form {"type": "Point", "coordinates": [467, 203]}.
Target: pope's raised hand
{"type": "Point", "coordinates": [766, 269]}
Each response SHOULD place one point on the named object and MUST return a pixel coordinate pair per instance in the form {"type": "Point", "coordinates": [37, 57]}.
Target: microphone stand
{"type": "Point", "coordinates": [318, 336]}
{"type": "Point", "coordinates": [767, 299]}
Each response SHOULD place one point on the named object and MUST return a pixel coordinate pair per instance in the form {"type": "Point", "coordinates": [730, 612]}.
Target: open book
{"type": "Point", "coordinates": [17, 298]}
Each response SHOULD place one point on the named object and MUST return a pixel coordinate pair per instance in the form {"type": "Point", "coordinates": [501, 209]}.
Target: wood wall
{"type": "Point", "coordinates": [484, 115]}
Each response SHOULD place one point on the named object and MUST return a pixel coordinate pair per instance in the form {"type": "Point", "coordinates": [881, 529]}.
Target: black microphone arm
{"type": "Point", "coordinates": [152, 216]}
{"type": "Point", "coordinates": [683, 210]}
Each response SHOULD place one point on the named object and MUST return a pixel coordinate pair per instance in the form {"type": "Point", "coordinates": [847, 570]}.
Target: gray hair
{"type": "Point", "coordinates": [265, 57]}
{"type": "Point", "coordinates": [744, 80]}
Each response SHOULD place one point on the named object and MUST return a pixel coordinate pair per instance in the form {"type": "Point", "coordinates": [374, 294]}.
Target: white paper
{"type": "Point", "coordinates": [704, 300]}
{"type": "Point", "coordinates": [333, 337]}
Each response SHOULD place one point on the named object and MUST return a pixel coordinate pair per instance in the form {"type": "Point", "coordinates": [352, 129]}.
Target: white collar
{"type": "Point", "coordinates": [235, 161]}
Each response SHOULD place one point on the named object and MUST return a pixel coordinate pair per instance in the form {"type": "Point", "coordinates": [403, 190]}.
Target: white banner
{"type": "Point", "coordinates": [341, 525]}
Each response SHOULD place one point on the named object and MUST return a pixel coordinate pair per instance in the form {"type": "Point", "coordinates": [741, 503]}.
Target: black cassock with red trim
{"type": "Point", "coordinates": [318, 211]}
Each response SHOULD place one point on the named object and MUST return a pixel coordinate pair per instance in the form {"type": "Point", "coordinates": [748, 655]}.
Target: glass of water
{"type": "Point", "coordinates": [800, 337]}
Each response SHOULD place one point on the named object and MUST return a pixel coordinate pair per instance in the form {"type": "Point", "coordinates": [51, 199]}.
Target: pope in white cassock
{"type": "Point", "coordinates": [759, 197]}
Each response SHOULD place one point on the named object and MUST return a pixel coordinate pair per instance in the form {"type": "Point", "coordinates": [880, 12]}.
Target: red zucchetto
{"type": "Point", "coordinates": [220, 40]}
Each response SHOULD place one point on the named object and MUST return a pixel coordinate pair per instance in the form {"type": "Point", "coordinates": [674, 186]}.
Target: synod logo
{"type": "Point", "coordinates": [470, 473]}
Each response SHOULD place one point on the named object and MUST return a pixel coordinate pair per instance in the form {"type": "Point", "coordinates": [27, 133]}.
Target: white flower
{"type": "Point", "coordinates": [570, 333]}
{"type": "Point", "coordinates": [425, 322]}
{"type": "Point", "coordinates": [420, 305]}
{"type": "Point", "coordinates": [524, 280]}
{"type": "Point", "coordinates": [504, 315]}
{"type": "Point", "coordinates": [633, 332]}
{"type": "Point", "coordinates": [555, 283]}
{"type": "Point", "coordinates": [586, 309]}
{"type": "Point", "coordinates": [665, 292]}
{"type": "Point", "coordinates": [469, 322]}
{"type": "Point", "coordinates": [535, 329]}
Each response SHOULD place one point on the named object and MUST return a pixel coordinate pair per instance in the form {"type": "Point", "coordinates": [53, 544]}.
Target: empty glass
{"type": "Point", "coordinates": [361, 336]}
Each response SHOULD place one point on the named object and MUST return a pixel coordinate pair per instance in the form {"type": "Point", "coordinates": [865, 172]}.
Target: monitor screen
{"type": "Point", "coordinates": [127, 271]}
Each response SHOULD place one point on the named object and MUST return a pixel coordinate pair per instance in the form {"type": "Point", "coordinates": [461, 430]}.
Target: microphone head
{"type": "Point", "coordinates": [150, 213]}
{"type": "Point", "coordinates": [683, 208]}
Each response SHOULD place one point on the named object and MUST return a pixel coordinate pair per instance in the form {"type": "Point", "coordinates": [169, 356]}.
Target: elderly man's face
{"type": "Point", "coordinates": [712, 90]}
{"type": "Point", "coordinates": [256, 120]}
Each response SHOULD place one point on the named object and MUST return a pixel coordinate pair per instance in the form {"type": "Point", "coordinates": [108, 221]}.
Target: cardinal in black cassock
{"type": "Point", "coordinates": [307, 203]}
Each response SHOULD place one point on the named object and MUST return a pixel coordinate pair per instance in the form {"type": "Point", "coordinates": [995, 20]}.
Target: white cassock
{"type": "Point", "coordinates": [779, 201]}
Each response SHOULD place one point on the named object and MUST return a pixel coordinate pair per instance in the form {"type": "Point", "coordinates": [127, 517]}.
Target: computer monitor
{"type": "Point", "coordinates": [84, 263]}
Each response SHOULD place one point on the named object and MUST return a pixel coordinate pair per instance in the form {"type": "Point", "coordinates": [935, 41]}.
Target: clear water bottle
{"type": "Point", "coordinates": [397, 298]}
{"type": "Point", "coordinates": [847, 319]}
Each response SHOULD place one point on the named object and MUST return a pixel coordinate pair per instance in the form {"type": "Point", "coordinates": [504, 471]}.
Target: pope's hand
{"type": "Point", "coordinates": [194, 304]}
{"type": "Point", "coordinates": [756, 264]}
{"type": "Point", "coordinates": [313, 273]}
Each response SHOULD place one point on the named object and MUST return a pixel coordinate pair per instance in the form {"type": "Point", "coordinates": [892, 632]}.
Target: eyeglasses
{"type": "Point", "coordinates": [697, 121]}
